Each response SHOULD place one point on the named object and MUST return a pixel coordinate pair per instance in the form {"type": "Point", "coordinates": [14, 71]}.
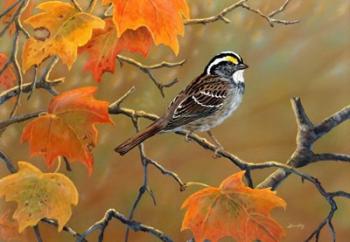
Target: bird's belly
{"type": "Point", "coordinates": [204, 124]}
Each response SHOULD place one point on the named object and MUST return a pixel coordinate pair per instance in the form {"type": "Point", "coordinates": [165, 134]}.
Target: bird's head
{"type": "Point", "coordinates": [227, 64]}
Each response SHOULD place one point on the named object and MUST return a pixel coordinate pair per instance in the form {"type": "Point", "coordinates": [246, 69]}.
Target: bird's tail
{"type": "Point", "coordinates": [151, 130]}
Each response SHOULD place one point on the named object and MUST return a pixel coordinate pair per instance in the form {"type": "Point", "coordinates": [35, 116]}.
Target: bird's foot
{"type": "Point", "coordinates": [217, 151]}
{"type": "Point", "coordinates": [187, 136]}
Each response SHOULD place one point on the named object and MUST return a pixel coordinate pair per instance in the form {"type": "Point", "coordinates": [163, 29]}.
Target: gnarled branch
{"type": "Point", "coordinates": [308, 134]}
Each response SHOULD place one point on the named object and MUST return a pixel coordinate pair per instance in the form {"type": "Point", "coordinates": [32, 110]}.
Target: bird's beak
{"type": "Point", "coordinates": [242, 66]}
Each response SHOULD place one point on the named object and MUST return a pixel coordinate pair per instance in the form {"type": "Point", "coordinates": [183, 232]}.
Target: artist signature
{"type": "Point", "coordinates": [296, 226]}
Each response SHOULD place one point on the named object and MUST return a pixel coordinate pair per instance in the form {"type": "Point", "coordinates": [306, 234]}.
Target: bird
{"type": "Point", "coordinates": [204, 104]}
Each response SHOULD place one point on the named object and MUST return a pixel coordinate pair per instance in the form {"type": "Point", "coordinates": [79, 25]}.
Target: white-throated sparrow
{"type": "Point", "coordinates": [205, 103]}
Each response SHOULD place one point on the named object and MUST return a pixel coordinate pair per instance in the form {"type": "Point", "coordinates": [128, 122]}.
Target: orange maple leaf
{"type": "Point", "coordinates": [235, 210]}
{"type": "Point", "coordinates": [68, 129]}
{"type": "Point", "coordinates": [104, 47]}
{"type": "Point", "coordinates": [7, 77]}
{"type": "Point", "coordinates": [163, 19]}
{"type": "Point", "coordinates": [39, 195]}
{"type": "Point", "coordinates": [60, 30]}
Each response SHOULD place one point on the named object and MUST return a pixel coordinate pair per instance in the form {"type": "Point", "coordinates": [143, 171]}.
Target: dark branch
{"type": "Point", "coordinates": [67, 229]}
{"type": "Point", "coordinates": [12, 6]}
{"type": "Point", "coordinates": [147, 69]}
{"type": "Point", "coordinates": [307, 135]}
{"type": "Point", "coordinates": [18, 119]}
{"type": "Point", "coordinates": [9, 164]}
{"type": "Point", "coordinates": [37, 233]}
{"type": "Point", "coordinates": [330, 157]}
{"type": "Point", "coordinates": [132, 224]}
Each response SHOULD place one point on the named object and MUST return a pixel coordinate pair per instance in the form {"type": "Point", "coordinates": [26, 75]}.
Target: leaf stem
{"type": "Point", "coordinates": [191, 183]}
{"type": "Point", "coordinates": [92, 6]}
{"type": "Point", "coordinates": [59, 163]}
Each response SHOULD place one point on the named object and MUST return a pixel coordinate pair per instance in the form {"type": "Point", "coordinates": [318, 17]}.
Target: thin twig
{"type": "Point", "coordinates": [76, 5]}
{"type": "Point", "coordinates": [167, 172]}
{"type": "Point", "coordinates": [12, 6]}
{"type": "Point", "coordinates": [13, 18]}
{"type": "Point", "coordinates": [91, 6]}
{"type": "Point", "coordinates": [66, 162]}
{"type": "Point", "coordinates": [280, 10]}
{"type": "Point", "coordinates": [66, 228]}
{"type": "Point", "coordinates": [219, 16]}
{"type": "Point", "coordinates": [132, 224]}
{"type": "Point", "coordinates": [19, 118]}
{"type": "Point", "coordinates": [144, 187]}
{"type": "Point", "coordinates": [9, 164]}
{"type": "Point", "coordinates": [243, 4]}
{"type": "Point", "coordinates": [44, 82]}
{"type": "Point", "coordinates": [147, 69]}
{"type": "Point", "coordinates": [35, 80]}
{"type": "Point", "coordinates": [26, 88]}
{"type": "Point", "coordinates": [37, 233]}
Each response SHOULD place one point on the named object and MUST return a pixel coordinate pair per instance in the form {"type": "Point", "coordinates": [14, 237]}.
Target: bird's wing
{"type": "Point", "coordinates": [201, 98]}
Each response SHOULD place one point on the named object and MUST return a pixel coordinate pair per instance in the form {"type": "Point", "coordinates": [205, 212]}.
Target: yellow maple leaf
{"type": "Point", "coordinates": [60, 30]}
{"type": "Point", "coordinates": [39, 195]}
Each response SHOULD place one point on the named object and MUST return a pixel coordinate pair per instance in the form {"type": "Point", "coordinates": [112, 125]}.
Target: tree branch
{"type": "Point", "coordinates": [9, 164]}
{"type": "Point", "coordinates": [243, 4]}
{"type": "Point", "coordinates": [147, 69]}
{"type": "Point", "coordinates": [220, 16]}
{"type": "Point", "coordinates": [42, 83]}
{"type": "Point", "coordinates": [18, 119]}
{"type": "Point", "coordinates": [307, 135]}
{"type": "Point", "coordinates": [132, 224]}
{"type": "Point", "coordinates": [330, 157]}
{"type": "Point", "coordinates": [67, 229]}
{"type": "Point", "coordinates": [37, 233]}
{"type": "Point", "coordinates": [12, 6]}
{"type": "Point", "coordinates": [145, 161]}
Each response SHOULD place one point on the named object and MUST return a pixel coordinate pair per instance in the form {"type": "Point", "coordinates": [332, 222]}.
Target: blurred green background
{"type": "Point", "coordinates": [310, 59]}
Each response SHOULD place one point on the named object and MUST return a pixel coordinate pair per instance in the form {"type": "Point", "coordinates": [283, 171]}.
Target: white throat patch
{"type": "Point", "coordinates": [238, 76]}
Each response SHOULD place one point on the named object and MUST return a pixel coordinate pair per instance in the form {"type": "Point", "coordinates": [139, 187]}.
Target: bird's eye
{"type": "Point", "coordinates": [232, 59]}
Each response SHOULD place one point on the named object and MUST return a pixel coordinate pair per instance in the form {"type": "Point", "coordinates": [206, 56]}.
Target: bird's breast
{"type": "Point", "coordinates": [231, 103]}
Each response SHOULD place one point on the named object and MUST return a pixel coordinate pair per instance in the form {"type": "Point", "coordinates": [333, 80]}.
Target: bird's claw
{"type": "Point", "coordinates": [187, 137]}
{"type": "Point", "coordinates": [216, 152]}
